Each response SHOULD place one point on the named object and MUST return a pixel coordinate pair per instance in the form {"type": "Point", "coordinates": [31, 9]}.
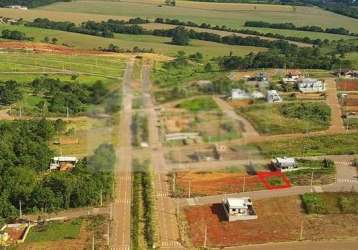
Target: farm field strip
{"type": "Point", "coordinates": [231, 15]}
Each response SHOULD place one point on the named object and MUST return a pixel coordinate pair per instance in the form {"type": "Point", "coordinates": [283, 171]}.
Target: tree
{"type": "Point", "coordinates": [54, 40]}
{"type": "Point", "coordinates": [180, 36]}
{"type": "Point", "coordinates": [103, 159]}
{"type": "Point", "coordinates": [208, 67]}
{"type": "Point", "coordinates": [10, 92]}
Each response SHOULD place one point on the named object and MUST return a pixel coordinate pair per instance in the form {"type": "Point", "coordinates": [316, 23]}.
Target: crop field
{"type": "Point", "coordinates": [347, 85]}
{"type": "Point", "coordinates": [125, 41]}
{"type": "Point", "coordinates": [25, 66]}
{"type": "Point", "coordinates": [273, 215]}
{"type": "Point", "coordinates": [271, 119]}
{"type": "Point", "coordinates": [231, 15]}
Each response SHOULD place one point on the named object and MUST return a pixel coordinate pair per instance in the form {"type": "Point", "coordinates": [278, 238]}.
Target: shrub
{"type": "Point", "coordinates": [313, 204]}
{"type": "Point", "coordinates": [348, 205]}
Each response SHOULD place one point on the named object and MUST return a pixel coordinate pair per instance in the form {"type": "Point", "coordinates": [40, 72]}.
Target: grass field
{"type": "Point", "coordinates": [311, 146]}
{"type": "Point", "coordinates": [24, 67]}
{"type": "Point", "coordinates": [55, 231]}
{"type": "Point", "coordinates": [269, 119]}
{"type": "Point", "coordinates": [354, 58]}
{"type": "Point", "coordinates": [159, 44]}
{"type": "Point", "coordinates": [231, 15]}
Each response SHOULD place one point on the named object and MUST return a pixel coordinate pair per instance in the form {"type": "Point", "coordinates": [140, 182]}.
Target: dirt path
{"type": "Point", "coordinates": [121, 225]}
{"type": "Point", "coordinates": [165, 205]}
{"type": "Point", "coordinates": [248, 130]}
{"type": "Point", "coordinates": [336, 113]}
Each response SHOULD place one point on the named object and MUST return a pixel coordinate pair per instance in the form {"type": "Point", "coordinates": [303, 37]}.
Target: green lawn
{"type": "Point", "coordinates": [199, 104]}
{"type": "Point", "coordinates": [284, 118]}
{"type": "Point", "coordinates": [231, 15]}
{"type": "Point", "coordinates": [311, 146]}
{"type": "Point", "coordinates": [354, 58]}
{"type": "Point", "coordinates": [55, 231]}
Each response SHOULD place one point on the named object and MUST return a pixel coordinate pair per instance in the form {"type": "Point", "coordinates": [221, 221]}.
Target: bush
{"type": "Point", "coordinates": [313, 204]}
{"type": "Point", "coordinates": [315, 111]}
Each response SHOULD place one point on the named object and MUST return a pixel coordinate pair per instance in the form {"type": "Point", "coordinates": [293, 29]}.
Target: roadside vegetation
{"type": "Point", "coordinates": [311, 146]}
{"type": "Point", "coordinates": [26, 157]}
{"type": "Point", "coordinates": [295, 117]}
{"type": "Point", "coordinates": [139, 129]}
{"type": "Point", "coordinates": [330, 203]}
{"type": "Point", "coordinates": [143, 227]}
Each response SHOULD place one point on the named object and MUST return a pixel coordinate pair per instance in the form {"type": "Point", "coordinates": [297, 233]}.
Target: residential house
{"type": "Point", "coordinates": [310, 85]}
{"type": "Point", "coordinates": [239, 209]}
{"type": "Point", "coordinates": [284, 164]}
{"type": "Point", "coordinates": [292, 77]}
{"type": "Point", "coordinates": [239, 94]}
{"type": "Point", "coordinates": [63, 163]}
{"type": "Point", "coordinates": [17, 7]}
{"type": "Point", "coordinates": [273, 96]}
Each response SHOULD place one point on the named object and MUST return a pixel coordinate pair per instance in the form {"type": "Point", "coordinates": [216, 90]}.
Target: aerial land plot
{"type": "Point", "coordinates": [229, 14]}
{"type": "Point", "coordinates": [347, 85]}
{"type": "Point", "coordinates": [288, 117]}
{"type": "Point", "coordinates": [273, 215]}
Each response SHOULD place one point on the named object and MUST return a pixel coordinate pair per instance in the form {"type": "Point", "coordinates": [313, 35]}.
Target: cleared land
{"type": "Point", "coordinates": [287, 118]}
{"type": "Point", "coordinates": [279, 219]}
{"type": "Point", "coordinates": [160, 45]}
{"type": "Point", "coordinates": [231, 15]}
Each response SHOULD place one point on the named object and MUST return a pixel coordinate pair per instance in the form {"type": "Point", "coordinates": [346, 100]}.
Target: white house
{"type": "Point", "coordinates": [273, 96]}
{"type": "Point", "coordinates": [239, 94]}
{"type": "Point", "coordinates": [284, 164]}
{"type": "Point", "coordinates": [63, 163]}
{"type": "Point", "coordinates": [310, 85]}
{"type": "Point", "coordinates": [239, 209]}
{"type": "Point", "coordinates": [17, 7]}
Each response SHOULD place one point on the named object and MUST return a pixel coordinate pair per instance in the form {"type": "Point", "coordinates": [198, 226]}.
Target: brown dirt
{"type": "Point", "coordinates": [347, 85]}
{"type": "Point", "coordinates": [279, 219]}
{"type": "Point", "coordinates": [211, 183]}
{"type": "Point", "coordinates": [240, 103]}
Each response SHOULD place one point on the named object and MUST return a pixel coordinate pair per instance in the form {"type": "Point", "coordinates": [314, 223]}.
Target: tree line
{"type": "Point", "coordinates": [291, 26]}
{"type": "Point", "coordinates": [15, 35]}
{"type": "Point", "coordinates": [29, 3]}
{"type": "Point", "coordinates": [24, 159]}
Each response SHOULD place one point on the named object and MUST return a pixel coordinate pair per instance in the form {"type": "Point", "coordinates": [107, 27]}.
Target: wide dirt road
{"type": "Point", "coordinates": [165, 206]}
{"type": "Point", "coordinates": [120, 233]}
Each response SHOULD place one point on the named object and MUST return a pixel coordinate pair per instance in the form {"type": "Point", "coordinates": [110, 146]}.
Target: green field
{"type": "Point", "coordinates": [159, 44]}
{"type": "Point", "coordinates": [354, 58]}
{"type": "Point", "coordinates": [25, 66]}
{"type": "Point", "coordinates": [199, 104]}
{"type": "Point", "coordinates": [55, 231]}
{"type": "Point", "coordinates": [271, 119]}
{"type": "Point", "coordinates": [231, 15]}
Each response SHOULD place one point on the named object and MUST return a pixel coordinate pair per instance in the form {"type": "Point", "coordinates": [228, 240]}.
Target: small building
{"type": "Point", "coordinates": [284, 164]}
{"type": "Point", "coordinates": [239, 209]}
{"type": "Point", "coordinates": [63, 163]}
{"type": "Point", "coordinates": [17, 7]}
{"type": "Point", "coordinates": [292, 77]}
{"type": "Point", "coordinates": [273, 96]}
{"type": "Point", "coordinates": [347, 73]}
{"type": "Point", "coordinates": [310, 85]}
{"type": "Point", "coordinates": [257, 95]}
{"type": "Point", "coordinates": [239, 94]}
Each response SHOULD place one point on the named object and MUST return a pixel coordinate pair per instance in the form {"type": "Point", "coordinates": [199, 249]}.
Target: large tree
{"type": "Point", "coordinates": [180, 36]}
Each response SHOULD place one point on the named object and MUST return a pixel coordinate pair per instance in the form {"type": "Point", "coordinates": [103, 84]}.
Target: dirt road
{"type": "Point", "coordinates": [120, 233]}
{"type": "Point", "coordinates": [165, 205]}
{"type": "Point", "coordinates": [336, 113]}
{"type": "Point", "coordinates": [248, 130]}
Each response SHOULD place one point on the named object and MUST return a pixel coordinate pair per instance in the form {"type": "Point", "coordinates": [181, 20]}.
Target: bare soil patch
{"type": "Point", "coordinates": [279, 219]}
{"type": "Point", "coordinates": [347, 85]}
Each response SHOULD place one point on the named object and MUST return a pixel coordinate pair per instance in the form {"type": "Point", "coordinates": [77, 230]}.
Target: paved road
{"type": "Point", "coordinates": [165, 206]}
{"type": "Point", "coordinates": [348, 244]}
{"type": "Point", "coordinates": [249, 130]}
{"type": "Point", "coordinates": [120, 233]}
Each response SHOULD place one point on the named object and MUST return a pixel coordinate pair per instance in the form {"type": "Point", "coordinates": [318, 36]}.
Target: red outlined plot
{"type": "Point", "coordinates": [265, 179]}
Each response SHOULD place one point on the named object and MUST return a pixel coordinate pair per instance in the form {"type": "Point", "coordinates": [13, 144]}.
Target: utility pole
{"type": "Point", "coordinates": [312, 181]}
{"type": "Point", "coordinates": [189, 191]}
{"type": "Point", "coordinates": [301, 230]}
{"type": "Point", "coordinates": [111, 212]}
{"type": "Point", "coordinates": [101, 198]}
{"type": "Point", "coordinates": [243, 185]}
{"type": "Point", "coordinates": [67, 113]}
{"type": "Point", "coordinates": [108, 234]}
{"type": "Point", "coordinates": [205, 235]}
{"type": "Point", "coordinates": [93, 241]}
{"type": "Point", "coordinates": [174, 176]}
{"type": "Point", "coordinates": [20, 209]}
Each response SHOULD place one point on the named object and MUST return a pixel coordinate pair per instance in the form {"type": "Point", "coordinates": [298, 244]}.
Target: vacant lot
{"type": "Point", "coordinates": [347, 85]}
{"type": "Point", "coordinates": [279, 219]}
{"type": "Point", "coordinates": [311, 146]}
{"type": "Point", "coordinates": [198, 104]}
{"type": "Point", "coordinates": [231, 15]}
{"type": "Point", "coordinates": [288, 118]}
{"type": "Point", "coordinates": [225, 181]}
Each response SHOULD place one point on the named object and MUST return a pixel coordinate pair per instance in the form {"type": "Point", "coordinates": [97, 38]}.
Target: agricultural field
{"type": "Point", "coordinates": [160, 45]}
{"type": "Point", "coordinates": [288, 117]}
{"type": "Point", "coordinates": [231, 15]}
{"type": "Point", "coordinates": [311, 146]}
{"type": "Point", "coordinates": [347, 85]}
{"type": "Point", "coordinates": [273, 215]}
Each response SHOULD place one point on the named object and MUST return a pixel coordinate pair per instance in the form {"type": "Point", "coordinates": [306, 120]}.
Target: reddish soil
{"type": "Point", "coordinates": [347, 85]}
{"type": "Point", "coordinates": [211, 183]}
{"type": "Point", "coordinates": [15, 233]}
{"type": "Point", "coordinates": [278, 220]}
{"type": "Point", "coordinates": [45, 47]}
